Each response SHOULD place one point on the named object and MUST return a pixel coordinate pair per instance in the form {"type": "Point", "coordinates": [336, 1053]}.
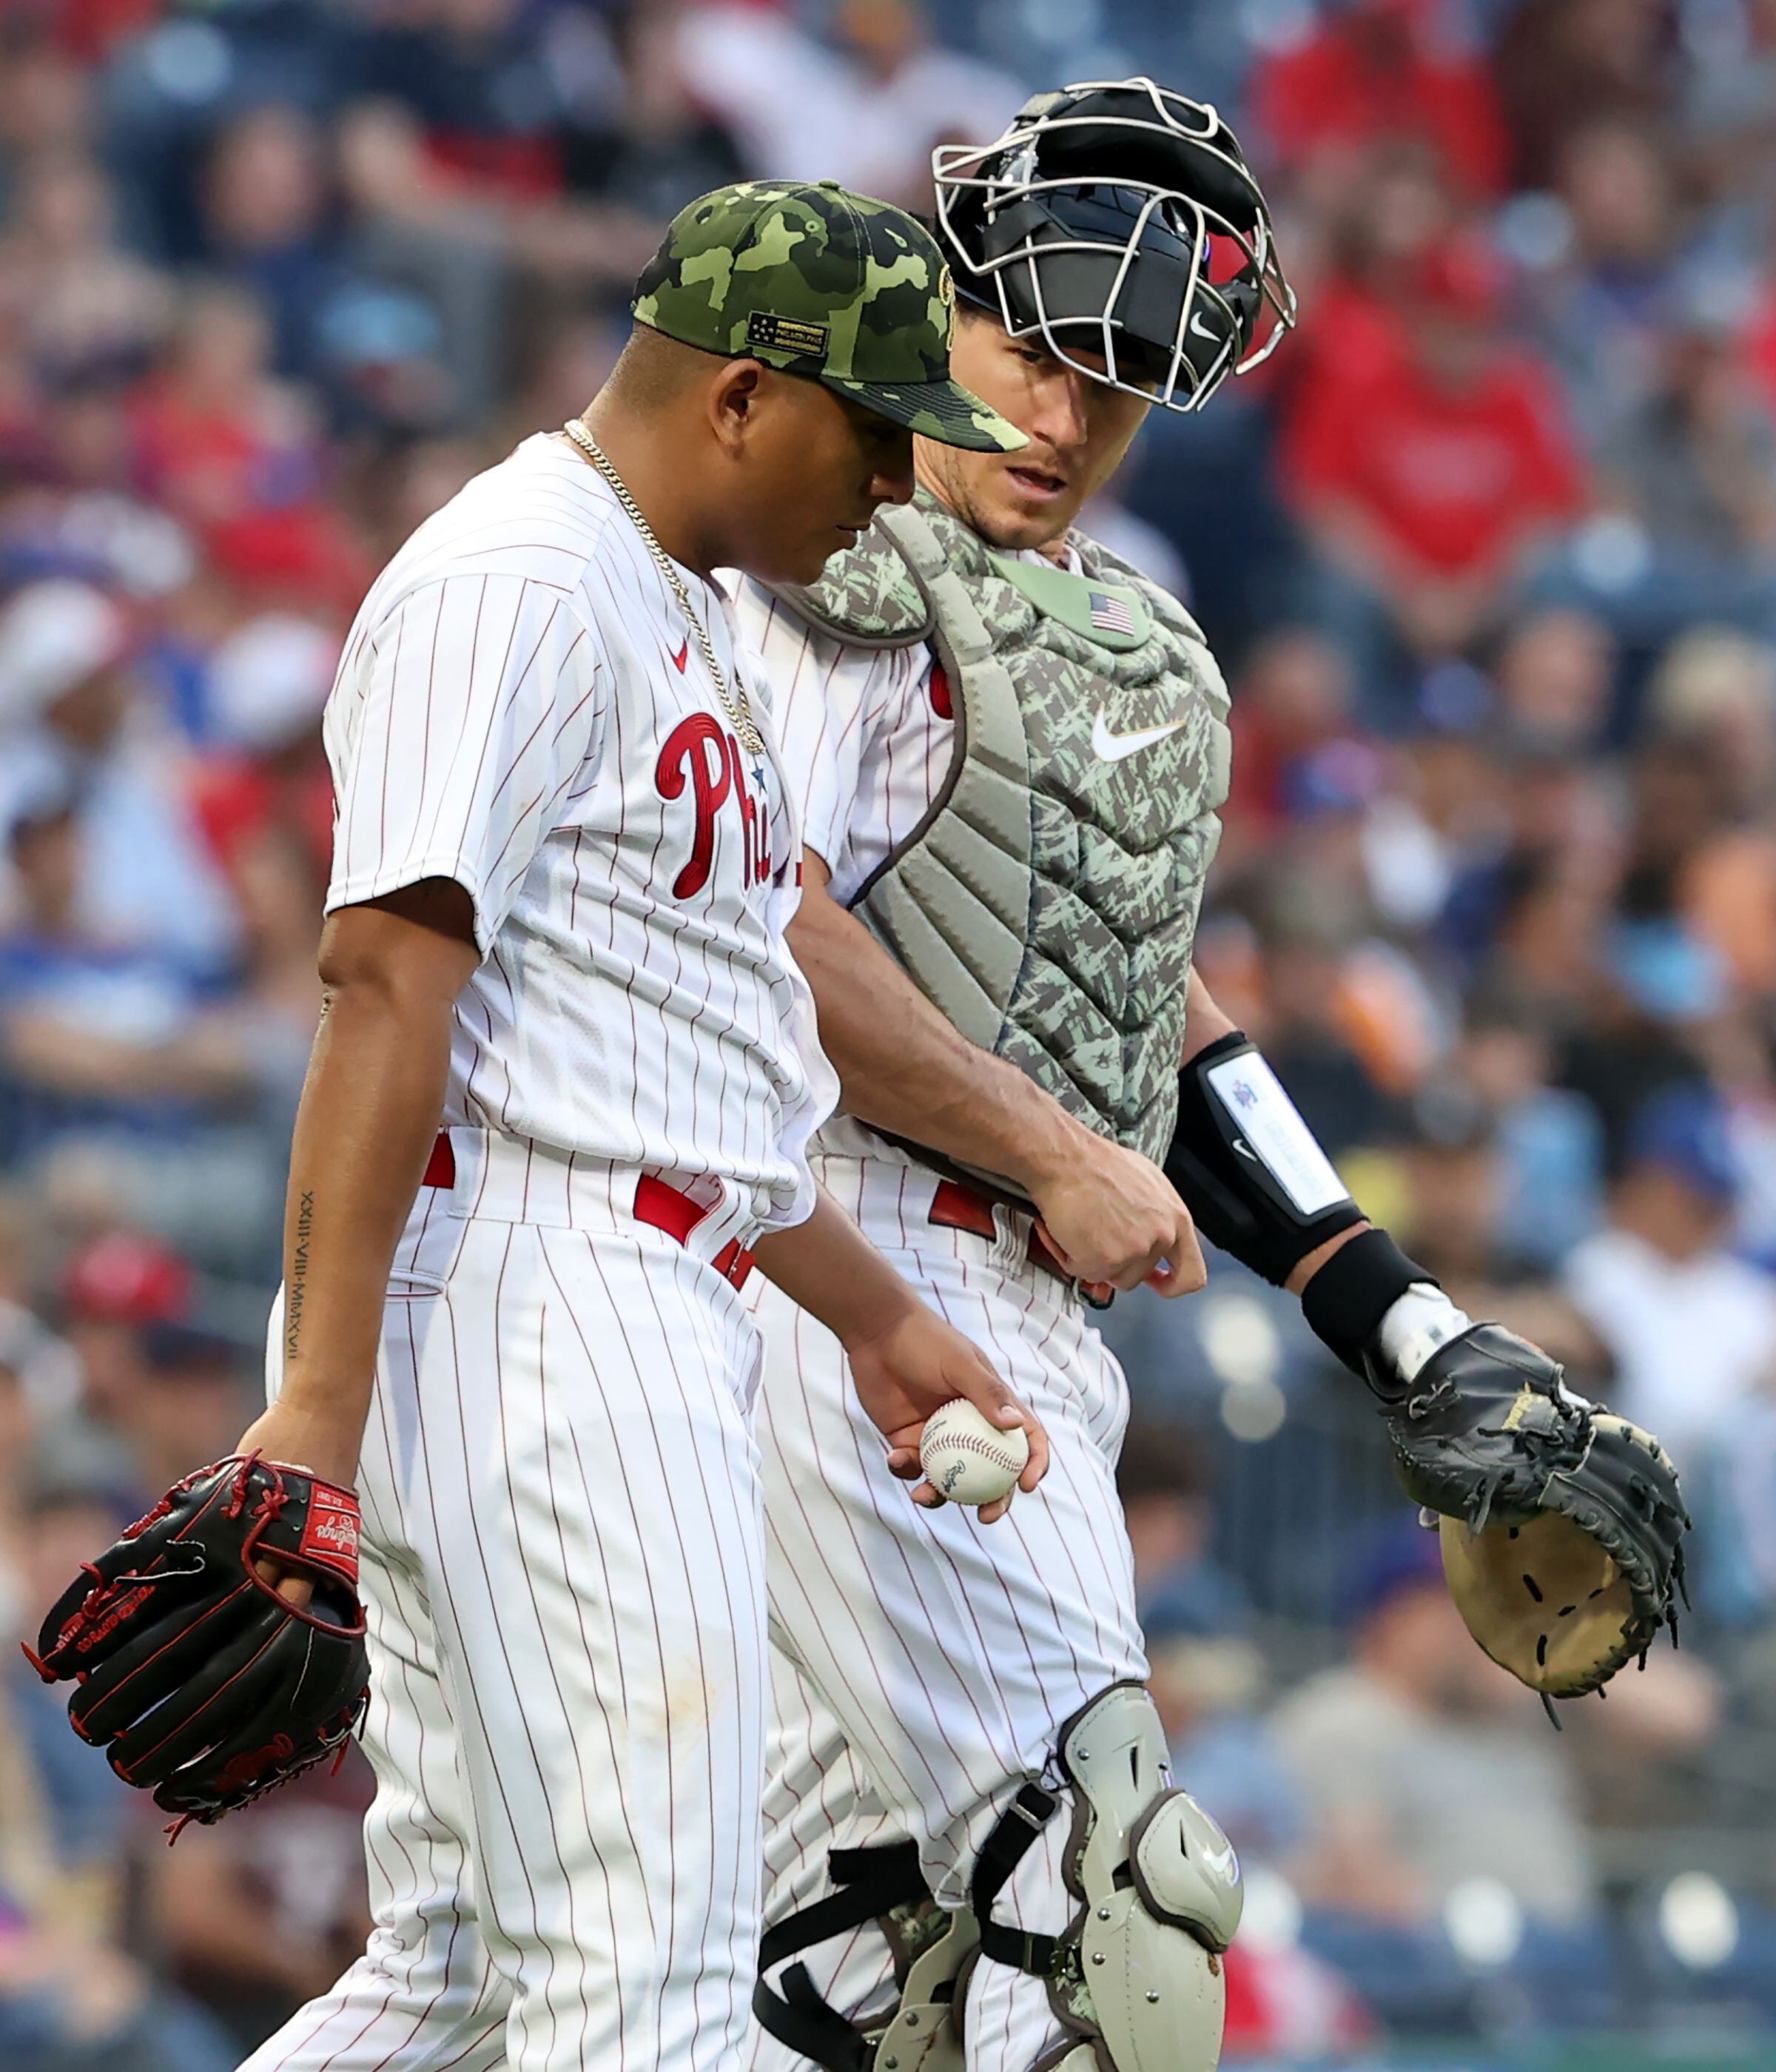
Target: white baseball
{"type": "Point", "coordinates": [968, 1460]}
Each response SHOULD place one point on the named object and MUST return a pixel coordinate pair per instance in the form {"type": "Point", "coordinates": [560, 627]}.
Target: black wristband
{"type": "Point", "coordinates": [1234, 1199]}
{"type": "Point", "coordinates": [1346, 1299]}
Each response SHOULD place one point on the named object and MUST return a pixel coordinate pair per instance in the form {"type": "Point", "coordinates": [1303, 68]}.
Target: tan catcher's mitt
{"type": "Point", "coordinates": [1562, 1525]}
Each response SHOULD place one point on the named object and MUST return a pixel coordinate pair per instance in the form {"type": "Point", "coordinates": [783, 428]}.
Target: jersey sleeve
{"type": "Point", "coordinates": [475, 704]}
{"type": "Point", "coordinates": [820, 692]}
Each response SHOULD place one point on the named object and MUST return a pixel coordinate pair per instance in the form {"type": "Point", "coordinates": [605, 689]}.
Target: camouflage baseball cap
{"type": "Point", "coordinates": [818, 281]}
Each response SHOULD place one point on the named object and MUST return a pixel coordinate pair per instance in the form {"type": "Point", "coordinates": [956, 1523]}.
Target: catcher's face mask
{"type": "Point", "coordinates": [1119, 220]}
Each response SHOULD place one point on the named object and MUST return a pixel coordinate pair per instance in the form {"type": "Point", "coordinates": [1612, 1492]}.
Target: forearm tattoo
{"type": "Point", "coordinates": [297, 1293]}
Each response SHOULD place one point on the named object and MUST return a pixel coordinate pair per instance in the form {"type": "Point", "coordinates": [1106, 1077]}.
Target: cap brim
{"type": "Point", "coordinates": [944, 411]}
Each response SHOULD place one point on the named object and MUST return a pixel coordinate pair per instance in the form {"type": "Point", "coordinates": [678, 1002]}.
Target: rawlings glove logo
{"type": "Point", "coordinates": [330, 1535]}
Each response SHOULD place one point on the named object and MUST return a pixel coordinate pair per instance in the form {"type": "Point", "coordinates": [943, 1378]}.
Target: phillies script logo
{"type": "Point", "coordinates": [702, 754]}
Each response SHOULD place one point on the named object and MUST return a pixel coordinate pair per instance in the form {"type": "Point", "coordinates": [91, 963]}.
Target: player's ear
{"type": "Point", "coordinates": [734, 398]}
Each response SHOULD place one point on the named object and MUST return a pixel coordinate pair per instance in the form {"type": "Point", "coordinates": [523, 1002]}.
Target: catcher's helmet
{"type": "Point", "coordinates": [1118, 218]}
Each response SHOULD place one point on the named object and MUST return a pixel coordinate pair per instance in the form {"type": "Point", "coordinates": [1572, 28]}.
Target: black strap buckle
{"type": "Point", "coordinates": [1041, 1956]}
{"type": "Point", "coordinates": [1013, 1835]}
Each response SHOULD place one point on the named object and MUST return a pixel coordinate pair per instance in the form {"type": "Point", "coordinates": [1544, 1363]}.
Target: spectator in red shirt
{"type": "Point", "coordinates": [1431, 480]}
{"type": "Point", "coordinates": [237, 454]}
{"type": "Point", "coordinates": [1380, 70]}
{"type": "Point", "coordinates": [1387, 222]}
{"type": "Point", "coordinates": [217, 434]}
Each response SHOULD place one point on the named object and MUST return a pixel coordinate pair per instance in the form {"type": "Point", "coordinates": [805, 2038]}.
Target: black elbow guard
{"type": "Point", "coordinates": [1249, 1169]}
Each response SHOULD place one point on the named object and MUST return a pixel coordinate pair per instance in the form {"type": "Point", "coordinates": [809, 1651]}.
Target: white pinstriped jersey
{"type": "Point", "coordinates": [522, 707]}
{"type": "Point", "coordinates": [864, 741]}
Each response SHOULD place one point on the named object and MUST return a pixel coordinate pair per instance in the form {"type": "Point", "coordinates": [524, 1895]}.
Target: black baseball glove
{"type": "Point", "coordinates": [1562, 1525]}
{"type": "Point", "coordinates": [201, 1682]}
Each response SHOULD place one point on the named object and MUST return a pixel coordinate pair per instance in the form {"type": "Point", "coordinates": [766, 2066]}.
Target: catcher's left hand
{"type": "Point", "coordinates": [200, 1680]}
{"type": "Point", "coordinates": [1561, 1524]}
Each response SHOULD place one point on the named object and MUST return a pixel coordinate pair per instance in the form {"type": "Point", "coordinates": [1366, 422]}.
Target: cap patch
{"type": "Point", "coordinates": [849, 291]}
{"type": "Point", "coordinates": [778, 334]}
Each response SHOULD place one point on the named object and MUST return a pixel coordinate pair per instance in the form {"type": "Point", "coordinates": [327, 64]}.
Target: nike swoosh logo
{"type": "Point", "coordinates": [1206, 331]}
{"type": "Point", "coordinates": [1222, 1863]}
{"type": "Point", "coordinates": [683, 656]}
{"type": "Point", "coordinates": [1110, 747]}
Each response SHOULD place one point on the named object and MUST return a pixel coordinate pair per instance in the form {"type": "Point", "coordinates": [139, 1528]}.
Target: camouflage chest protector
{"type": "Point", "coordinates": [1047, 900]}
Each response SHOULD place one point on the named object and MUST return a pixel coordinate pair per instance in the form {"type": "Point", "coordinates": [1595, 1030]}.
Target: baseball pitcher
{"type": "Point", "coordinates": [1008, 748]}
{"type": "Point", "coordinates": [564, 854]}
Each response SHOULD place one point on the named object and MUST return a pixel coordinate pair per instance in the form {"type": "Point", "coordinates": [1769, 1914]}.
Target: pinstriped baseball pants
{"type": "Point", "coordinates": [922, 1663]}
{"type": "Point", "coordinates": [562, 1568]}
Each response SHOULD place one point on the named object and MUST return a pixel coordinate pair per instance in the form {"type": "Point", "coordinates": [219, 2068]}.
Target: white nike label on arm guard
{"type": "Point", "coordinates": [1271, 1125]}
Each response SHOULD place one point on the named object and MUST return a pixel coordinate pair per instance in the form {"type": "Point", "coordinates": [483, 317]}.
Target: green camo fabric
{"type": "Point", "coordinates": [1048, 902]}
{"type": "Point", "coordinates": [817, 280]}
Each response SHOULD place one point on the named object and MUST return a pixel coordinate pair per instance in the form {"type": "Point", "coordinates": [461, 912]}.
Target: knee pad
{"type": "Point", "coordinates": [1136, 1976]}
{"type": "Point", "coordinates": [928, 1944]}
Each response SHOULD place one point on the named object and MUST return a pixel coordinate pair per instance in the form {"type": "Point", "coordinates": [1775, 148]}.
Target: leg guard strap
{"type": "Point", "coordinates": [1012, 1836]}
{"type": "Point", "coordinates": [874, 1882]}
{"type": "Point", "coordinates": [810, 2026]}
{"type": "Point", "coordinates": [884, 1885]}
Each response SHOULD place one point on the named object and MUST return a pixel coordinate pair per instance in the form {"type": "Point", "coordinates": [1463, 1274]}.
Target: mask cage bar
{"type": "Point", "coordinates": [1256, 247]}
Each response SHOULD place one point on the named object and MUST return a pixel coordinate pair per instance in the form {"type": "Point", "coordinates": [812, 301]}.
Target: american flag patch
{"type": "Point", "coordinates": [1110, 615]}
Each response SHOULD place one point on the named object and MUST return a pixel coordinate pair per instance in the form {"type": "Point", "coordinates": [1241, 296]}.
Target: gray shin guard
{"type": "Point", "coordinates": [928, 1946]}
{"type": "Point", "coordinates": [1136, 1977]}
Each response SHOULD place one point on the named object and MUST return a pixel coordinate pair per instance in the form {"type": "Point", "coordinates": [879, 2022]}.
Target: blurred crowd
{"type": "Point", "coordinates": [1488, 549]}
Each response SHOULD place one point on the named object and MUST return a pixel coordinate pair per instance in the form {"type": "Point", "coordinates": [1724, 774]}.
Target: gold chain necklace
{"type": "Point", "coordinates": [734, 702]}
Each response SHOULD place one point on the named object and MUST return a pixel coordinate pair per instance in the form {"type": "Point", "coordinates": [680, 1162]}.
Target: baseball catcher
{"type": "Point", "coordinates": [1009, 747]}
